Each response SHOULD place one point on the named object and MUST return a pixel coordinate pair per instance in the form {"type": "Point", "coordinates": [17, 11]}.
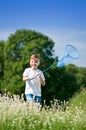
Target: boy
{"type": "Point", "coordinates": [34, 79]}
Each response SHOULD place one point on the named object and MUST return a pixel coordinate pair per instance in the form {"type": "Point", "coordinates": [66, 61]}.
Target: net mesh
{"type": "Point", "coordinates": [70, 53]}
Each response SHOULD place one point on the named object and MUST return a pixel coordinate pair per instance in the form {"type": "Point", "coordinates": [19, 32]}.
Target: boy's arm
{"type": "Point", "coordinates": [41, 80]}
{"type": "Point", "coordinates": [25, 78]}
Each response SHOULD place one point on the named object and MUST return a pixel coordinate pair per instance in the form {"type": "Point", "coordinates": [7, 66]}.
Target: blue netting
{"type": "Point", "coordinates": [70, 53]}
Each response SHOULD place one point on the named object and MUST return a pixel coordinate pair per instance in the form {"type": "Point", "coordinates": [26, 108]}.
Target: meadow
{"type": "Point", "coordinates": [15, 114]}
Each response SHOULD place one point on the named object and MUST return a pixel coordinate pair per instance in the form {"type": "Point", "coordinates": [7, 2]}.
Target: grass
{"type": "Point", "coordinates": [79, 99]}
{"type": "Point", "coordinates": [15, 114]}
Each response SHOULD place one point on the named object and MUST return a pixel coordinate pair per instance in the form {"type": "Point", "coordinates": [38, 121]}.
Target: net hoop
{"type": "Point", "coordinates": [72, 51]}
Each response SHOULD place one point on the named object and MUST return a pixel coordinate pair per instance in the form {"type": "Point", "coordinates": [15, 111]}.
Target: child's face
{"type": "Point", "coordinates": [34, 63]}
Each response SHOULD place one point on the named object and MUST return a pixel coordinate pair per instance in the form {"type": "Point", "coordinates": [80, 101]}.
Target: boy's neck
{"type": "Point", "coordinates": [33, 69]}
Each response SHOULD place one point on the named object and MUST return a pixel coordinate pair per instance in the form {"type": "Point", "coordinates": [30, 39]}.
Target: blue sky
{"type": "Point", "coordinates": [64, 21]}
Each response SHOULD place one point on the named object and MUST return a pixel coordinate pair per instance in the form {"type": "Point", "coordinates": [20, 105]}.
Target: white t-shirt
{"type": "Point", "coordinates": [33, 86]}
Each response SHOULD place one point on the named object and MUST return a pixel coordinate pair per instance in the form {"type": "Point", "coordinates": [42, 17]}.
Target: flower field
{"type": "Point", "coordinates": [15, 114]}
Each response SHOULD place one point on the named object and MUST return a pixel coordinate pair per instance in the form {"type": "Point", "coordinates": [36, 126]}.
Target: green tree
{"type": "Point", "coordinates": [2, 44]}
{"type": "Point", "coordinates": [61, 83]}
{"type": "Point", "coordinates": [81, 77]}
{"type": "Point", "coordinates": [18, 49]}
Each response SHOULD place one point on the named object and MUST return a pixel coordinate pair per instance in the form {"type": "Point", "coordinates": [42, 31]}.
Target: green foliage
{"type": "Point", "coordinates": [62, 83]}
{"type": "Point", "coordinates": [79, 99]}
{"type": "Point", "coordinates": [81, 77]}
{"type": "Point", "coordinates": [2, 44]}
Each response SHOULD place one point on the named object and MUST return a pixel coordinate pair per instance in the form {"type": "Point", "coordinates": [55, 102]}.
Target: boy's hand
{"type": "Point", "coordinates": [40, 74]}
{"type": "Point", "coordinates": [42, 81]}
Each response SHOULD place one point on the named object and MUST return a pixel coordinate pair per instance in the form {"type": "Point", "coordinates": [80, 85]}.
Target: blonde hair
{"type": "Point", "coordinates": [34, 56]}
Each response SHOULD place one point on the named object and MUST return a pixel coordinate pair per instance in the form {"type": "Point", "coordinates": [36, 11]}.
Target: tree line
{"type": "Point", "coordinates": [61, 83]}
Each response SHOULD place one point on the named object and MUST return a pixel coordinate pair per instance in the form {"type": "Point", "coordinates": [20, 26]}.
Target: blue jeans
{"type": "Point", "coordinates": [32, 98]}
